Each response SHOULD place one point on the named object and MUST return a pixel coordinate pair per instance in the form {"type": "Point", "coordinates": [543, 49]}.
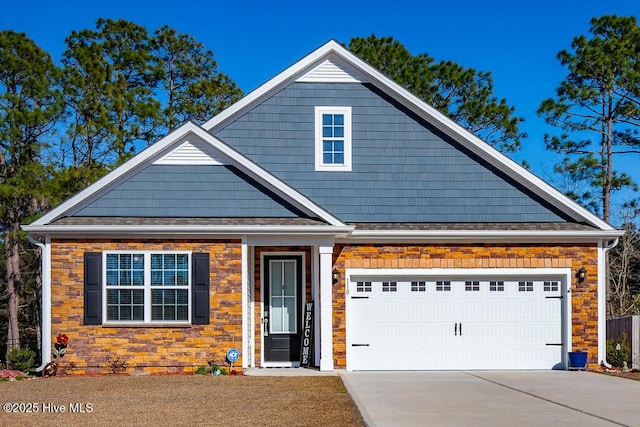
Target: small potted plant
{"type": "Point", "coordinates": [578, 360]}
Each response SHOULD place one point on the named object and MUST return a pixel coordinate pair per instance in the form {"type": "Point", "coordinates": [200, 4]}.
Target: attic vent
{"type": "Point", "coordinates": [187, 154]}
{"type": "Point", "coordinates": [330, 71]}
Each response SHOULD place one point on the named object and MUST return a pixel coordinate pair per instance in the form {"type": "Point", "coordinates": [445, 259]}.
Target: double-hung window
{"type": "Point", "coordinates": [333, 138]}
{"type": "Point", "coordinates": [147, 287]}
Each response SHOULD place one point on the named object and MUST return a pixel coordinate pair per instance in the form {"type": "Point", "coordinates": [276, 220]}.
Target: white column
{"type": "Point", "coordinates": [326, 308]}
{"type": "Point", "coordinates": [315, 292]}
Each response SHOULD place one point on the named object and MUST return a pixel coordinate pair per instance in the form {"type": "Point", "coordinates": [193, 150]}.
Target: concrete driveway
{"type": "Point", "coordinates": [494, 398]}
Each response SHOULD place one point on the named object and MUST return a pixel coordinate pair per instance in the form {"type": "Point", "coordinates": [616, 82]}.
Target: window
{"type": "Point", "coordinates": [443, 286]}
{"type": "Point", "coordinates": [525, 286]}
{"type": "Point", "coordinates": [470, 286]}
{"type": "Point", "coordinates": [389, 286]}
{"type": "Point", "coordinates": [496, 286]}
{"type": "Point", "coordinates": [418, 287]}
{"type": "Point", "coordinates": [363, 287]}
{"type": "Point", "coordinates": [333, 138]}
{"type": "Point", "coordinates": [551, 286]}
{"type": "Point", "coordinates": [147, 287]}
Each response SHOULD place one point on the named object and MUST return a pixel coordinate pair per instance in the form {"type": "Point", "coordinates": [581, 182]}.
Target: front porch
{"type": "Point", "coordinates": [278, 279]}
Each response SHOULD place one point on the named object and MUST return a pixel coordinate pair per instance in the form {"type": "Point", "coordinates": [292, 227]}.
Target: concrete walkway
{"type": "Point", "coordinates": [494, 398]}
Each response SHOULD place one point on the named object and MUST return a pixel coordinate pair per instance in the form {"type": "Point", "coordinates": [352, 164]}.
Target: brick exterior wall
{"type": "Point", "coordinates": [584, 296]}
{"type": "Point", "coordinates": [183, 349]}
{"type": "Point", "coordinates": [146, 349]}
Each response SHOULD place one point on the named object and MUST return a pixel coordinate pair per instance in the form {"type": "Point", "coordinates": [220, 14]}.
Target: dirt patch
{"type": "Point", "coordinates": [633, 375]}
{"type": "Point", "coordinates": [180, 400]}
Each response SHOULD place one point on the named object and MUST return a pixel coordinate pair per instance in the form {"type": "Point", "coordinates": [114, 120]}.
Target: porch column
{"type": "Point", "coordinates": [326, 308]}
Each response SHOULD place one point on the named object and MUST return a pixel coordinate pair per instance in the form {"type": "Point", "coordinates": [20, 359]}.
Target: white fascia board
{"type": "Point", "coordinates": [472, 236]}
{"type": "Point", "coordinates": [279, 187]}
{"type": "Point", "coordinates": [182, 230]}
{"type": "Point", "coordinates": [118, 172]}
{"type": "Point", "coordinates": [426, 112]}
{"type": "Point", "coordinates": [284, 77]}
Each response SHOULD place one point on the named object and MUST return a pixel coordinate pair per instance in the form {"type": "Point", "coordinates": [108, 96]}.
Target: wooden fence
{"type": "Point", "coordinates": [616, 327]}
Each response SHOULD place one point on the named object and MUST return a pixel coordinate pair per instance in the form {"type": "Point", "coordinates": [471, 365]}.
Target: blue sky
{"type": "Point", "coordinates": [253, 40]}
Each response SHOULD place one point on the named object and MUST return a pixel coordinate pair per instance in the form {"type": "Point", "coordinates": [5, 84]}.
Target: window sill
{"type": "Point", "coordinates": [146, 325]}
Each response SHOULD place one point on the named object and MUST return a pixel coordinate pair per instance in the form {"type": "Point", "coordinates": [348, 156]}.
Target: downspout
{"type": "Point", "coordinates": [46, 299]}
{"type": "Point", "coordinates": [604, 247]}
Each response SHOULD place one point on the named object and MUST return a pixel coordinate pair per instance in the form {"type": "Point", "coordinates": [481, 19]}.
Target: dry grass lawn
{"type": "Point", "coordinates": [183, 400]}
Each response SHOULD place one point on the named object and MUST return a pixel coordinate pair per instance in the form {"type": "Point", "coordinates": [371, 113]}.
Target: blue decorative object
{"type": "Point", "coordinates": [232, 355]}
{"type": "Point", "coordinates": [577, 360]}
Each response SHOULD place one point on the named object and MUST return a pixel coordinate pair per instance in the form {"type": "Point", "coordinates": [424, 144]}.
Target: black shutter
{"type": "Point", "coordinates": [92, 288]}
{"type": "Point", "coordinates": [200, 289]}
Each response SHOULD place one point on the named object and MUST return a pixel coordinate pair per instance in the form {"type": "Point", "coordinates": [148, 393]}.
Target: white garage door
{"type": "Point", "coordinates": [462, 323]}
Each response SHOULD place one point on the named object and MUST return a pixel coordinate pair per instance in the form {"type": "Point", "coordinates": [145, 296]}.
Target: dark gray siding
{"type": "Point", "coordinates": [188, 191]}
{"type": "Point", "coordinates": [403, 171]}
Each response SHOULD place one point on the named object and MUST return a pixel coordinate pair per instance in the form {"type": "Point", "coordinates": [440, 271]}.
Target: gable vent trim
{"type": "Point", "coordinates": [187, 154]}
{"type": "Point", "coordinates": [330, 72]}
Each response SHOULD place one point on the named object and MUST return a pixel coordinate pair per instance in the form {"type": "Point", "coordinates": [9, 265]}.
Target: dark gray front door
{"type": "Point", "coordinates": [283, 307]}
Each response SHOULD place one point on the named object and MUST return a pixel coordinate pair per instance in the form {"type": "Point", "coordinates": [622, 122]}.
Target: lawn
{"type": "Point", "coordinates": [180, 400]}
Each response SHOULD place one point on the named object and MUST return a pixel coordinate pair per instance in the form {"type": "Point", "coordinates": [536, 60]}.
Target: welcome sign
{"type": "Point", "coordinates": [307, 335]}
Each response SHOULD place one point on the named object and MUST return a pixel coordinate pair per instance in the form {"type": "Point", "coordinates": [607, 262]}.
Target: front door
{"type": "Point", "coordinates": [283, 307]}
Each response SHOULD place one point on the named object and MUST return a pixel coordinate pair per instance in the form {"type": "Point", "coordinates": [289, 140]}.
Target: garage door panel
{"type": "Point", "coordinates": [440, 323]}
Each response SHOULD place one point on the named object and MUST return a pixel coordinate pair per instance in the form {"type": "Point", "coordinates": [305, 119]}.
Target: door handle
{"type": "Point", "coordinates": [265, 326]}
{"type": "Point", "coordinates": [455, 329]}
{"type": "Point", "coordinates": [460, 328]}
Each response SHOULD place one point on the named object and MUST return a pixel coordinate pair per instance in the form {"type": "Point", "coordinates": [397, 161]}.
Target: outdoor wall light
{"type": "Point", "coordinates": [581, 275]}
{"type": "Point", "coordinates": [335, 275]}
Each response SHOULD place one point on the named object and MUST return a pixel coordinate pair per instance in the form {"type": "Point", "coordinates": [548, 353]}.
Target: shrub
{"type": "Point", "coordinates": [22, 359]}
{"type": "Point", "coordinates": [617, 356]}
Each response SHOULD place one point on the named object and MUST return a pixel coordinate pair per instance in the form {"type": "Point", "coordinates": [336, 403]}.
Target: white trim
{"type": "Point", "coordinates": [319, 139]}
{"type": "Point", "coordinates": [263, 363]}
{"type": "Point", "coordinates": [326, 308]}
{"type": "Point", "coordinates": [565, 274]}
{"type": "Point", "coordinates": [419, 107]}
{"type": "Point", "coordinates": [148, 155]}
{"type": "Point", "coordinates": [244, 256]}
{"type": "Point", "coordinates": [477, 236]}
{"type": "Point", "coordinates": [146, 288]}
{"type": "Point", "coordinates": [187, 154]}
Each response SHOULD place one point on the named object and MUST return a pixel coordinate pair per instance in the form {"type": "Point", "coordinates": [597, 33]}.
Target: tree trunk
{"type": "Point", "coordinates": [12, 256]}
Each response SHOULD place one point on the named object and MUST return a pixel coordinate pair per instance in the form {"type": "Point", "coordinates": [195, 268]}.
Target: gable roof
{"type": "Point", "coordinates": [168, 151]}
{"type": "Point", "coordinates": [332, 59]}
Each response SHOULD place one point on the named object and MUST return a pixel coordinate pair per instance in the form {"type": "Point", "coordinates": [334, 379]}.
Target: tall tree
{"type": "Point", "coordinates": [464, 94]}
{"type": "Point", "coordinates": [623, 296]}
{"type": "Point", "coordinates": [109, 79]}
{"type": "Point", "coordinates": [597, 109]}
{"type": "Point", "coordinates": [29, 107]}
{"type": "Point", "coordinates": [189, 82]}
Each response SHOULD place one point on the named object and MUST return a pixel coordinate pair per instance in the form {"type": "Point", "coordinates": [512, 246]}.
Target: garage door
{"type": "Point", "coordinates": [445, 323]}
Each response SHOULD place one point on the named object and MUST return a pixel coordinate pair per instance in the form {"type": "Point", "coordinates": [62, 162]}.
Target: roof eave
{"type": "Point", "coordinates": [484, 236]}
{"type": "Point", "coordinates": [184, 230]}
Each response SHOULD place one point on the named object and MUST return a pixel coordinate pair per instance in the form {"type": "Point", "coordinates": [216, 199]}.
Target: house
{"type": "Point", "coordinates": [420, 245]}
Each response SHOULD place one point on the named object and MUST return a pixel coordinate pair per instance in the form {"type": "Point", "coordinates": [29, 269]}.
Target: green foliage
{"type": "Point", "coordinates": [109, 80]}
{"type": "Point", "coordinates": [463, 94]}
{"type": "Point", "coordinates": [202, 370]}
{"type": "Point", "coordinates": [596, 110]}
{"type": "Point", "coordinates": [617, 356]}
{"type": "Point", "coordinates": [21, 359]}
{"type": "Point", "coordinates": [189, 80]}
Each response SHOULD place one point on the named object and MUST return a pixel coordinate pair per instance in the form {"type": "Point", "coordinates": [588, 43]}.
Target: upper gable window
{"type": "Point", "coordinates": [333, 138]}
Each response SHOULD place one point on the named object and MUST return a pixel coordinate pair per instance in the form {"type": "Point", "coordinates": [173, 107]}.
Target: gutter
{"type": "Point", "coordinates": [606, 246]}
{"type": "Point", "coordinates": [45, 349]}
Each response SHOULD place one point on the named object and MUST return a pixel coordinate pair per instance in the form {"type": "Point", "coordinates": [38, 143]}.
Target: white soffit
{"type": "Point", "coordinates": [187, 154]}
{"type": "Point", "coordinates": [331, 71]}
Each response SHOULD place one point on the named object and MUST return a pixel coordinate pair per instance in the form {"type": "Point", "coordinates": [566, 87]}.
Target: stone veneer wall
{"type": "Point", "coordinates": [584, 296]}
{"type": "Point", "coordinates": [146, 349]}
